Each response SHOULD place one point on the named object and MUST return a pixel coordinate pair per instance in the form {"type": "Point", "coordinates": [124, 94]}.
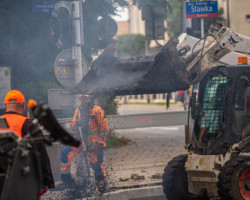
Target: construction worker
{"type": "Point", "coordinates": [94, 129]}
{"type": "Point", "coordinates": [22, 125]}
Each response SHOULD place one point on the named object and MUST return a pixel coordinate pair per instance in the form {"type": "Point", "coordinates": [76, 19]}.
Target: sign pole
{"type": "Point", "coordinates": [202, 9]}
{"type": "Point", "coordinates": [77, 53]}
{"type": "Point", "coordinates": [202, 26]}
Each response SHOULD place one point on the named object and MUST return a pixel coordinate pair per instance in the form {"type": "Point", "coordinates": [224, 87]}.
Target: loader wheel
{"type": "Point", "coordinates": [234, 179]}
{"type": "Point", "coordinates": [175, 182]}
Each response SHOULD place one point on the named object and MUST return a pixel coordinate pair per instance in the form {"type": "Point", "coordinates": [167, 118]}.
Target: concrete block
{"type": "Point", "coordinates": [54, 153]}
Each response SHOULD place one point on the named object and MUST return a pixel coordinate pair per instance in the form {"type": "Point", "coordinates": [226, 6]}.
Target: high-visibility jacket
{"type": "Point", "coordinates": [15, 122]}
{"type": "Point", "coordinates": [22, 126]}
{"type": "Point", "coordinates": [98, 125]}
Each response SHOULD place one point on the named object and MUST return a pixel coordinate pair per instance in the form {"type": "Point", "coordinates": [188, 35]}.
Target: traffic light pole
{"type": "Point", "coordinates": [202, 26]}
{"type": "Point", "coordinates": [76, 49]}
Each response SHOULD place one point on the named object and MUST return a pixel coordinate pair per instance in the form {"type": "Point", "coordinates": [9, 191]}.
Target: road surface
{"type": "Point", "coordinates": [140, 163]}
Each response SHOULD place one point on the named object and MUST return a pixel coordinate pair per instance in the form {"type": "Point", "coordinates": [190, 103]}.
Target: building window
{"type": "Point", "coordinates": [248, 18]}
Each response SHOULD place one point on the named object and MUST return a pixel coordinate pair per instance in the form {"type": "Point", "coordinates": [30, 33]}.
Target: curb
{"type": "Point", "coordinates": [146, 193]}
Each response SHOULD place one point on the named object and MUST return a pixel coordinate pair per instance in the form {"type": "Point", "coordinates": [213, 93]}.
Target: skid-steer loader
{"type": "Point", "coordinates": [217, 163]}
{"type": "Point", "coordinates": [218, 160]}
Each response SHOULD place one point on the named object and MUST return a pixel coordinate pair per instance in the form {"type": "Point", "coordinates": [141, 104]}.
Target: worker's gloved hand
{"type": "Point", "coordinates": [78, 124]}
{"type": "Point", "coordinates": [43, 190]}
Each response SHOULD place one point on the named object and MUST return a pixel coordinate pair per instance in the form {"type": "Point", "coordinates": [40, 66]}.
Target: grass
{"type": "Point", "coordinates": [114, 141]}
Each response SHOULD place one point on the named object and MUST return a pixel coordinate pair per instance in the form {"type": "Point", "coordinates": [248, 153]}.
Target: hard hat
{"type": "Point", "coordinates": [83, 96]}
{"type": "Point", "coordinates": [14, 96]}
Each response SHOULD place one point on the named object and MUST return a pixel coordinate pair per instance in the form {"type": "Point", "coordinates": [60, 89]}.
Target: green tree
{"type": "Point", "coordinates": [174, 19]}
{"type": "Point", "coordinates": [95, 14]}
{"type": "Point", "coordinates": [130, 45]}
{"type": "Point", "coordinates": [109, 104]}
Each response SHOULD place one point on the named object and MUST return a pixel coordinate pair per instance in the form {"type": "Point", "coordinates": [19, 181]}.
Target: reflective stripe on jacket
{"type": "Point", "coordinates": [15, 122]}
{"type": "Point", "coordinates": [98, 125]}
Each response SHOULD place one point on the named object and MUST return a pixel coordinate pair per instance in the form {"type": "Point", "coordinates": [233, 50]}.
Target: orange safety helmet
{"type": "Point", "coordinates": [83, 96]}
{"type": "Point", "coordinates": [14, 96]}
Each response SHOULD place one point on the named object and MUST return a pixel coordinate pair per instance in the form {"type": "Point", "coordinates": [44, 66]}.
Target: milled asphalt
{"type": "Point", "coordinates": [134, 171]}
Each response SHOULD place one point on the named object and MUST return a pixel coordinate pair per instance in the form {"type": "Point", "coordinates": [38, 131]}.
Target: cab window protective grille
{"type": "Point", "coordinates": [212, 108]}
{"type": "Point", "coordinates": [240, 119]}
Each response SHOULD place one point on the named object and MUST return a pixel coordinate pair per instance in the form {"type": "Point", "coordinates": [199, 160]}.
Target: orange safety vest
{"type": "Point", "coordinates": [15, 122]}
{"type": "Point", "coordinates": [98, 125]}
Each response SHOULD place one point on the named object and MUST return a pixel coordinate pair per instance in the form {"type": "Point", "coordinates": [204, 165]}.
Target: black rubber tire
{"type": "Point", "coordinates": [228, 184]}
{"type": "Point", "coordinates": [175, 182]}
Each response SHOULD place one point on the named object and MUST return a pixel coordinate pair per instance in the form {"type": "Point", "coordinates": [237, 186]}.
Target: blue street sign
{"type": "Point", "coordinates": [200, 9]}
{"type": "Point", "coordinates": [43, 6]}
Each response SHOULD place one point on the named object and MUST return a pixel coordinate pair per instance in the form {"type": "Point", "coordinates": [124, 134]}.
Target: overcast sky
{"type": "Point", "coordinates": [122, 14]}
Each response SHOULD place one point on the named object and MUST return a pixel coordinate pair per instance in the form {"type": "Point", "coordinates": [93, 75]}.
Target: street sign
{"type": "Point", "coordinates": [201, 9]}
{"type": "Point", "coordinates": [5, 84]}
{"type": "Point", "coordinates": [43, 6]}
{"type": "Point", "coordinates": [64, 68]}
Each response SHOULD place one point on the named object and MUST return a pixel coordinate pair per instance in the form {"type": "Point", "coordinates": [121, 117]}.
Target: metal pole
{"type": "Point", "coordinates": [202, 27]}
{"type": "Point", "coordinates": [168, 100]}
{"type": "Point", "coordinates": [76, 49]}
{"type": "Point", "coordinates": [146, 47]}
{"type": "Point", "coordinates": [81, 21]}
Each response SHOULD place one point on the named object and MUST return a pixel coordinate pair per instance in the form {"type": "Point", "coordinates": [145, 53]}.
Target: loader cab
{"type": "Point", "coordinates": [220, 111]}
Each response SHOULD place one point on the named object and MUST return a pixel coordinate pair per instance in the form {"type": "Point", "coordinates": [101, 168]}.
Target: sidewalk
{"type": "Point", "coordinates": [126, 109]}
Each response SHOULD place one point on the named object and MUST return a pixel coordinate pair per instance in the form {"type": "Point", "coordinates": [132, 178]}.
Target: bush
{"type": "Point", "coordinates": [130, 45]}
{"type": "Point", "coordinates": [108, 104]}
{"type": "Point", "coordinates": [113, 141]}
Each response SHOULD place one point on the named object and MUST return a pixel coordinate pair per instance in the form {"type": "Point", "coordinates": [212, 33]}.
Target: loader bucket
{"type": "Point", "coordinates": [165, 72]}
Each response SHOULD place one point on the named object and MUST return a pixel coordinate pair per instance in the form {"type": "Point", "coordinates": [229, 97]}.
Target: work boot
{"type": "Point", "coordinates": [102, 190]}
{"type": "Point", "coordinates": [101, 187]}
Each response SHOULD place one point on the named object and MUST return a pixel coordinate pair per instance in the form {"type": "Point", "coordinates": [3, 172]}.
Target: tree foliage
{"type": "Point", "coordinates": [130, 45]}
{"type": "Point", "coordinates": [152, 3]}
{"type": "Point", "coordinates": [174, 19]}
{"type": "Point", "coordinates": [95, 12]}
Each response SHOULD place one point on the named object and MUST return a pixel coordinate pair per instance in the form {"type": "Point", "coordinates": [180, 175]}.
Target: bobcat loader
{"type": "Point", "coordinates": [217, 163]}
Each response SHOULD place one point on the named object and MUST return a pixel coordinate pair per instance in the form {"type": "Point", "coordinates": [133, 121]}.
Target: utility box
{"type": "Point", "coordinates": [61, 99]}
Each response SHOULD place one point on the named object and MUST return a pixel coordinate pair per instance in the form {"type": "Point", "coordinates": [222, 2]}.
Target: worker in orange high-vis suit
{"type": "Point", "coordinates": [22, 125]}
{"type": "Point", "coordinates": [94, 129]}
